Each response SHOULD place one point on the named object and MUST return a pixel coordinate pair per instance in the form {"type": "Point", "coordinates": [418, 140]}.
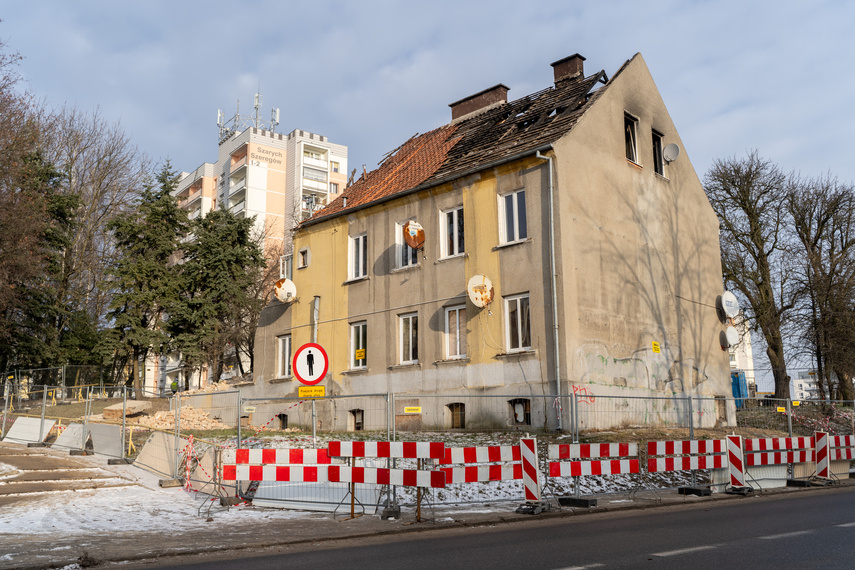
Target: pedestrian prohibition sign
{"type": "Point", "coordinates": [310, 363]}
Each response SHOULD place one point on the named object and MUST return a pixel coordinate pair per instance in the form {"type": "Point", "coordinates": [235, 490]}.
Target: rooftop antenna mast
{"type": "Point", "coordinates": [257, 105]}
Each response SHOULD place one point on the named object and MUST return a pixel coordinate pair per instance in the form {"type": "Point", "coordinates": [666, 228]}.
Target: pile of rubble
{"type": "Point", "coordinates": [191, 419]}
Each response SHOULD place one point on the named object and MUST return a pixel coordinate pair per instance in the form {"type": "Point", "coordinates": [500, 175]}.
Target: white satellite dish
{"type": "Point", "coordinates": [729, 304]}
{"type": "Point", "coordinates": [285, 290]}
{"type": "Point", "coordinates": [670, 152]}
{"type": "Point", "coordinates": [480, 290]}
{"type": "Point", "coordinates": [732, 335]}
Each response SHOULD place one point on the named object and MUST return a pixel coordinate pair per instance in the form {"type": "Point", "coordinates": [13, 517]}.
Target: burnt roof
{"type": "Point", "coordinates": [499, 133]}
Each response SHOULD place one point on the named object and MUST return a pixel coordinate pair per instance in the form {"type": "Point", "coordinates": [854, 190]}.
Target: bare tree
{"type": "Point", "coordinates": [748, 195]}
{"type": "Point", "coordinates": [102, 166]}
{"type": "Point", "coordinates": [823, 216]}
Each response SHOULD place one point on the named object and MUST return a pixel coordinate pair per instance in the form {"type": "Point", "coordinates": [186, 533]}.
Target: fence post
{"type": "Point", "coordinates": [239, 408]}
{"type": "Point", "coordinates": [790, 416]}
{"type": "Point", "coordinates": [42, 423]}
{"type": "Point", "coordinates": [575, 403]}
{"type": "Point", "coordinates": [6, 396]}
{"type": "Point", "coordinates": [124, 416]}
{"type": "Point", "coordinates": [85, 421]}
{"type": "Point", "coordinates": [691, 419]}
{"type": "Point", "coordinates": [177, 432]}
{"type": "Point", "coordinates": [314, 425]}
{"type": "Point", "coordinates": [62, 375]}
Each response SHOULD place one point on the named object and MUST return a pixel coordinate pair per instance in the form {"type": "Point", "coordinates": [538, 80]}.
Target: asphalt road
{"type": "Point", "coordinates": [812, 530]}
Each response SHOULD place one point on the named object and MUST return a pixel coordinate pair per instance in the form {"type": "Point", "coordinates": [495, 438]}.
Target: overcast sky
{"type": "Point", "coordinates": [778, 77]}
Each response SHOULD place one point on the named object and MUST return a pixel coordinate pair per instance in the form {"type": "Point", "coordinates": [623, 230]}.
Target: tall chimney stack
{"type": "Point", "coordinates": [570, 67]}
{"type": "Point", "coordinates": [479, 102]}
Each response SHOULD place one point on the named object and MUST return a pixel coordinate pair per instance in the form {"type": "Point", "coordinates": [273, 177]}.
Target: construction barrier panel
{"type": "Point", "coordinates": [504, 464]}
{"type": "Point", "coordinates": [688, 455]}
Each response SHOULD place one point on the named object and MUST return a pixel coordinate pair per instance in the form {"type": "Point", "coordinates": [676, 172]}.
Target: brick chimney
{"type": "Point", "coordinates": [568, 68]}
{"type": "Point", "coordinates": [481, 101]}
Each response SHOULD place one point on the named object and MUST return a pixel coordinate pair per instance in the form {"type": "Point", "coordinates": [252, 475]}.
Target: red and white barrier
{"type": "Point", "coordinates": [530, 469]}
{"type": "Point", "coordinates": [278, 456]}
{"type": "Point", "coordinates": [821, 445]}
{"type": "Point", "coordinates": [579, 467]}
{"type": "Point", "coordinates": [482, 473]}
{"type": "Point", "coordinates": [592, 450]}
{"type": "Point", "coordinates": [387, 449]}
{"type": "Point", "coordinates": [759, 452]}
{"type": "Point", "coordinates": [842, 447]}
{"type": "Point", "coordinates": [695, 454]}
{"type": "Point", "coordinates": [334, 474]}
{"type": "Point", "coordinates": [735, 460]}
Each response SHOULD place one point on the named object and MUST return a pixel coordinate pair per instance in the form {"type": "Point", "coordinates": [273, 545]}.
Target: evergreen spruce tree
{"type": "Point", "coordinates": [145, 277]}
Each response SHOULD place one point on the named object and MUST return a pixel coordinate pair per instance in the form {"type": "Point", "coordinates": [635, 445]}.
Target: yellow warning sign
{"type": "Point", "coordinates": [656, 348]}
{"type": "Point", "coordinates": [311, 392]}
{"type": "Point", "coordinates": [797, 403]}
{"type": "Point", "coordinates": [413, 410]}
{"type": "Point", "coordinates": [359, 354]}
{"type": "Point", "coordinates": [782, 409]}
{"type": "Point", "coordinates": [249, 409]}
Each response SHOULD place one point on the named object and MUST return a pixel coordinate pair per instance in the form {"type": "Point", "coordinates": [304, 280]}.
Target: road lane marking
{"type": "Point", "coordinates": [785, 535]}
{"type": "Point", "coordinates": [683, 551]}
{"type": "Point", "coordinates": [594, 565]}
{"type": "Point", "coordinates": [846, 525]}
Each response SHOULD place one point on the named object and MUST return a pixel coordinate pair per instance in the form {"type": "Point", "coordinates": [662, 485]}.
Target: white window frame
{"type": "Point", "coordinates": [405, 256]}
{"type": "Point", "coordinates": [511, 229]}
{"type": "Point", "coordinates": [455, 338]}
{"type": "Point", "coordinates": [333, 187]}
{"type": "Point", "coordinates": [630, 137]}
{"type": "Point", "coordinates": [283, 348]}
{"type": "Point", "coordinates": [408, 338]}
{"type": "Point", "coordinates": [358, 340]}
{"type": "Point", "coordinates": [516, 331]}
{"type": "Point", "coordinates": [286, 267]}
{"type": "Point", "coordinates": [335, 166]}
{"type": "Point", "coordinates": [357, 259]}
{"type": "Point", "coordinates": [451, 244]}
{"type": "Point", "coordinates": [304, 258]}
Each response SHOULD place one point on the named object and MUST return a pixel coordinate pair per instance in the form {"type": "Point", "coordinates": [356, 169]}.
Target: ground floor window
{"type": "Point", "coordinates": [357, 420]}
{"type": "Point", "coordinates": [520, 411]}
{"type": "Point", "coordinates": [283, 421]}
{"type": "Point", "coordinates": [457, 411]}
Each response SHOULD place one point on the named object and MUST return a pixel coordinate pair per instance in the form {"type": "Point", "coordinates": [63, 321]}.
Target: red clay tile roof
{"type": "Point", "coordinates": [407, 167]}
{"type": "Point", "coordinates": [502, 132]}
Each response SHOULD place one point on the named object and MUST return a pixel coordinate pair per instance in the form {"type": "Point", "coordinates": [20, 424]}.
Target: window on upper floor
{"type": "Point", "coordinates": [455, 332]}
{"type": "Point", "coordinates": [658, 161]}
{"type": "Point", "coordinates": [335, 166]}
{"type": "Point", "coordinates": [286, 266]}
{"type": "Point", "coordinates": [303, 258]}
{"type": "Point", "coordinates": [283, 356]}
{"type": "Point", "coordinates": [512, 217]}
{"type": "Point", "coordinates": [358, 345]}
{"type": "Point", "coordinates": [518, 319]}
{"type": "Point", "coordinates": [630, 127]}
{"type": "Point", "coordinates": [452, 232]}
{"type": "Point", "coordinates": [358, 259]}
{"type": "Point", "coordinates": [333, 187]}
{"type": "Point", "coordinates": [406, 256]}
{"type": "Point", "coordinates": [409, 331]}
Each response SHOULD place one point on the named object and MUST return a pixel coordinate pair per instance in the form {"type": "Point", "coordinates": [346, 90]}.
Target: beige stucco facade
{"type": "Point", "coordinates": [637, 274]}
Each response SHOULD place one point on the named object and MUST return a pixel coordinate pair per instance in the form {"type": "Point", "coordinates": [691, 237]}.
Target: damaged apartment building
{"type": "Point", "coordinates": [569, 249]}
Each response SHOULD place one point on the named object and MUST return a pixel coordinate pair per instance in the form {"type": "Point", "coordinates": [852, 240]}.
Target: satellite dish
{"type": "Point", "coordinates": [729, 304]}
{"type": "Point", "coordinates": [732, 335]}
{"type": "Point", "coordinates": [670, 152]}
{"type": "Point", "coordinates": [285, 290]}
{"type": "Point", "coordinates": [480, 291]}
{"type": "Point", "coordinates": [414, 234]}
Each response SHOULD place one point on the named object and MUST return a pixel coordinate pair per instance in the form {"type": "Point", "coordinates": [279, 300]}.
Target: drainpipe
{"type": "Point", "coordinates": [554, 287]}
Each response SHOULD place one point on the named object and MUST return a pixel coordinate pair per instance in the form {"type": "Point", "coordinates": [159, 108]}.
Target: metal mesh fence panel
{"type": "Point", "coordinates": [224, 407]}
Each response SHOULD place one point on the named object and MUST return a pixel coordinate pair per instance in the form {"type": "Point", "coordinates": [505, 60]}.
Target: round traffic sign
{"type": "Point", "coordinates": [310, 363]}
